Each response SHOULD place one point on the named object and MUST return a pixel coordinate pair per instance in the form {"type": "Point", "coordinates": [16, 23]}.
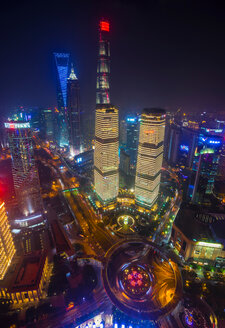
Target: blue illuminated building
{"type": "Point", "coordinates": [132, 123]}
{"type": "Point", "coordinates": [205, 166]}
{"type": "Point", "coordinates": [62, 68]}
{"type": "Point", "coordinates": [180, 145]}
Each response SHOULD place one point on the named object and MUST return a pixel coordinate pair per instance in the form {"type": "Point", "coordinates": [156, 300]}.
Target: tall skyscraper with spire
{"type": "Point", "coordinates": [106, 153]}
{"type": "Point", "coordinates": [150, 156]}
{"type": "Point", "coordinates": [73, 113]}
{"type": "Point", "coordinates": [62, 68]}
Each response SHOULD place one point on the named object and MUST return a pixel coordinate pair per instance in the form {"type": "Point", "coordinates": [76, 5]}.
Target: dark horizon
{"type": "Point", "coordinates": [163, 54]}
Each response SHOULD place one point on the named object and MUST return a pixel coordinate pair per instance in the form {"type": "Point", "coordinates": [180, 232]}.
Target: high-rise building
{"type": "Point", "coordinates": [150, 156]}
{"type": "Point", "coordinates": [103, 67]}
{"type": "Point", "coordinates": [73, 113]}
{"type": "Point", "coordinates": [25, 174]}
{"type": "Point", "coordinates": [205, 166]}
{"type": "Point", "coordinates": [106, 158]}
{"type": "Point", "coordinates": [62, 66]}
{"type": "Point", "coordinates": [106, 153]}
{"type": "Point", "coordinates": [123, 133]}
{"type": "Point", "coordinates": [7, 248]}
{"type": "Point", "coordinates": [132, 138]}
{"type": "Point", "coordinates": [47, 126]}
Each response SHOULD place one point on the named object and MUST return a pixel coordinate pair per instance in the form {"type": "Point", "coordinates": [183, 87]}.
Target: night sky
{"type": "Point", "coordinates": [165, 53]}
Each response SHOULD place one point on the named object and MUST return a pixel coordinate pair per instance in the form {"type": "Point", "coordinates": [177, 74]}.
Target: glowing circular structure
{"type": "Point", "coordinates": [135, 280]}
{"type": "Point", "coordinates": [140, 280]}
{"type": "Point", "coordinates": [125, 220]}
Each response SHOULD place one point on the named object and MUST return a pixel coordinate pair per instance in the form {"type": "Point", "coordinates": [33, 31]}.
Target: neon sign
{"type": "Point", "coordinates": [214, 142]}
{"type": "Point", "coordinates": [214, 245]}
{"type": "Point", "coordinates": [104, 26]}
{"type": "Point", "coordinates": [130, 119]}
{"type": "Point", "coordinates": [184, 148]}
{"type": "Point", "coordinates": [149, 132]}
{"type": "Point", "coordinates": [17, 125]}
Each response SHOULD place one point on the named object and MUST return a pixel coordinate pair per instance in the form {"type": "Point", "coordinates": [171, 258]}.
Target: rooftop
{"type": "Point", "coordinates": [158, 111]}
{"type": "Point", "coordinates": [197, 225]}
{"type": "Point", "coordinates": [62, 242]}
{"type": "Point", "coordinates": [28, 272]}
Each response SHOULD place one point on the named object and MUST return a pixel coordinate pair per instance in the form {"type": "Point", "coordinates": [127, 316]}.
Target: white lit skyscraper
{"type": "Point", "coordinates": [106, 158]}
{"type": "Point", "coordinates": [25, 174]}
{"type": "Point", "coordinates": [7, 248]}
{"type": "Point", "coordinates": [150, 156]}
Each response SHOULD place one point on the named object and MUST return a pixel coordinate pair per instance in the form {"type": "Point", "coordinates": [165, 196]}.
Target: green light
{"type": "Point", "coordinates": [207, 151]}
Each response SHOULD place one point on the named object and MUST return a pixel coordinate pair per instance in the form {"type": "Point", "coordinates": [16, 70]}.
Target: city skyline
{"type": "Point", "coordinates": [117, 221]}
{"type": "Point", "coordinates": [170, 65]}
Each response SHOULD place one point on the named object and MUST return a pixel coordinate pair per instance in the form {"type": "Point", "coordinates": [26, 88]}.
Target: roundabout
{"type": "Point", "coordinates": [140, 280]}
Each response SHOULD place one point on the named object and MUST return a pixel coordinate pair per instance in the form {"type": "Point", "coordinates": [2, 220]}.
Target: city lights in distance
{"type": "Point", "coordinates": [104, 26]}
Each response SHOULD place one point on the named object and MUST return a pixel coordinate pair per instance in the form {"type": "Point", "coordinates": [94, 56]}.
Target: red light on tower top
{"type": "Point", "coordinates": [104, 26]}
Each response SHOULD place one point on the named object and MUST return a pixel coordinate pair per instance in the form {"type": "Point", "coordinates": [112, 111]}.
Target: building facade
{"type": "Point", "coordinates": [24, 171]}
{"type": "Point", "coordinates": [27, 279]}
{"type": "Point", "coordinates": [150, 156]}
{"type": "Point", "coordinates": [205, 166]}
{"type": "Point", "coordinates": [196, 236]}
{"type": "Point", "coordinates": [7, 248]}
{"type": "Point", "coordinates": [47, 126]}
{"type": "Point", "coordinates": [73, 113]}
{"type": "Point", "coordinates": [106, 157]}
{"type": "Point", "coordinates": [132, 124]}
{"type": "Point", "coordinates": [62, 68]}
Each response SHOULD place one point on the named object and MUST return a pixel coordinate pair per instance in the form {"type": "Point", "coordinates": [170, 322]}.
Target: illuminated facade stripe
{"type": "Point", "coordinates": [150, 156]}
{"type": "Point", "coordinates": [7, 248]}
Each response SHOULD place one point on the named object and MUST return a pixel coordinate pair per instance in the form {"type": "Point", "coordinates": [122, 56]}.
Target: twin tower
{"type": "Point", "coordinates": [106, 153]}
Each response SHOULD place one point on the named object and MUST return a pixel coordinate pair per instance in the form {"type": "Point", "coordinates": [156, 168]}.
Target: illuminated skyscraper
{"type": "Point", "coordinates": [103, 67]}
{"type": "Point", "coordinates": [7, 249]}
{"type": "Point", "coordinates": [150, 156]}
{"type": "Point", "coordinates": [106, 154]}
{"type": "Point", "coordinates": [106, 159]}
{"type": "Point", "coordinates": [62, 66]}
{"type": "Point", "coordinates": [25, 174]}
{"type": "Point", "coordinates": [73, 113]}
{"type": "Point", "coordinates": [132, 138]}
{"type": "Point", "coordinates": [47, 124]}
{"type": "Point", "coordinates": [205, 166]}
